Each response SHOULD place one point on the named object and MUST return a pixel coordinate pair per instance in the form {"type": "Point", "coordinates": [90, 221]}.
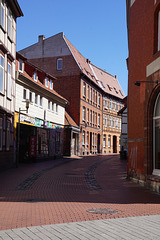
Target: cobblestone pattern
{"type": "Point", "coordinates": [90, 175]}
{"type": "Point", "coordinates": [27, 183]}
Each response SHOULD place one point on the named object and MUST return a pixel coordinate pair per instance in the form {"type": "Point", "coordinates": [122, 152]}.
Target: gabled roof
{"type": "Point", "coordinates": [107, 82]}
{"type": "Point", "coordinates": [69, 120]}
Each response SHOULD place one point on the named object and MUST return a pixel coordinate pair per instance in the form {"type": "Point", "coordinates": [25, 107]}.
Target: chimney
{"type": "Point", "coordinates": [87, 60]}
{"type": "Point", "coordinates": [41, 38]}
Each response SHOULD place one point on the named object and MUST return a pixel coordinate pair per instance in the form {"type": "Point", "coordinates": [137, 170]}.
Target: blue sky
{"type": "Point", "coordinates": [97, 28]}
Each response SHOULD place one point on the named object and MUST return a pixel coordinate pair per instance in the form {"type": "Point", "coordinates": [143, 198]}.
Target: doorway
{"type": "Point", "coordinates": [114, 144]}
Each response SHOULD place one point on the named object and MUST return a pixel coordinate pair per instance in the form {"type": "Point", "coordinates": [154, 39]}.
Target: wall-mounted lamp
{"type": "Point", "coordinates": [138, 83]}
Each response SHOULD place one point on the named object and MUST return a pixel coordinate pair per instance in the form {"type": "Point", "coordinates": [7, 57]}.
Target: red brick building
{"type": "Point", "coordinates": [143, 21]}
{"type": "Point", "coordinates": [89, 89]}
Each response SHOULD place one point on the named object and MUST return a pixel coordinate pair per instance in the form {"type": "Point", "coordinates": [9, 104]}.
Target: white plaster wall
{"type": "Point", "coordinates": [35, 110]}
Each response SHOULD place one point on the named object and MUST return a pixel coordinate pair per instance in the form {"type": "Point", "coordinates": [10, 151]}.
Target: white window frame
{"type": "Point", "coordinates": [2, 72]}
{"type": "Point", "coordinates": [51, 84]}
{"type": "Point", "coordinates": [105, 102]}
{"type": "Point", "coordinates": [24, 93]}
{"type": "Point", "coordinates": [35, 77]}
{"type": "Point", "coordinates": [84, 114]}
{"type": "Point", "coordinates": [105, 120]}
{"type": "Point", "coordinates": [109, 141]}
{"type": "Point", "coordinates": [104, 140]}
{"type": "Point", "coordinates": [98, 120]}
{"type": "Point", "coordinates": [84, 90]}
{"type": "Point", "coordinates": [59, 63]}
{"type": "Point", "coordinates": [36, 98]}
{"type": "Point", "coordinates": [83, 138]}
{"type": "Point", "coordinates": [41, 101]}
{"type": "Point", "coordinates": [110, 104]}
{"type": "Point", "coordinates": [46, 82]}
{"type": "Point", "coordinates": [20, 66]}
{"type": "Point", "coordinates": [113, 122]}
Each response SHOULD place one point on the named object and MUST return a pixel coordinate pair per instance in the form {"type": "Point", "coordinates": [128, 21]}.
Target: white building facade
{"type": "Point", "coordinates": [9, 11]}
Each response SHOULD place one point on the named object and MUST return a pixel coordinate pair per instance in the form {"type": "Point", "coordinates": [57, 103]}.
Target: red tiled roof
{"type": "Point", "coordinates": [69, 120]}
{"type": "Point", "coordinates": [26, 75]}
{"type": "Point", "coordinates": [107, 82]}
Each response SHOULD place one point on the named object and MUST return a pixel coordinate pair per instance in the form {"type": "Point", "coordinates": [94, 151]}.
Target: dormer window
{"type": "Point", "coordinates": [51, 84]}
{"type": "Point", "coordinates": [46, 82]}
{"type": "Point", "coordinates": [20, 67]}
{"type": "Point", "coordinates": [35, 77]}
{"type": "Point", "coordinates": [59, 64]}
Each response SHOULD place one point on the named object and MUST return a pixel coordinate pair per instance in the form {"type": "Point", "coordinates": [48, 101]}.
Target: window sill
{"type": "Point", "coordinates": [10, 39]}
{"type": "Point", "coordinates": [1, 27]}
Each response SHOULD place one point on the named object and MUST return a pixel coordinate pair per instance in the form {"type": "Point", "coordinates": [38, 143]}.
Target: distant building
{"type": "Point", "coordinates": [124, 129]}
{"type": "Point", "coordinates": [9, 12]}
{"type": "Point", "coordinates": [143, 21]}
{"type": "Point", "coordinates": [40, 127]}
{"type": "Point", "coordinates": [87, 88]}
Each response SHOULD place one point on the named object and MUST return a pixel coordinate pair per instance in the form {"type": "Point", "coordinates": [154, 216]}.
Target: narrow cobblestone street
{"type": "Point", "coordinates": [65, 190]}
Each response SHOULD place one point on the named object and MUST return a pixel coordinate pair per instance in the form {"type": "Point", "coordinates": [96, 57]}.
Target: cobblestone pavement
{"type": "Point", "coordinates": [71, 190]}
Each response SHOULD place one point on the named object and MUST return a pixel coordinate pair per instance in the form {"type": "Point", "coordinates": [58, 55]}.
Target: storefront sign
{"type": "Point", "coordinates": [27, 119]}
{"type": "Point", "coordinates": [32, 146]}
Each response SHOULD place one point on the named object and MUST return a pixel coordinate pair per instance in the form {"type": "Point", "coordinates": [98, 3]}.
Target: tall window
{"type": "Point", "coordinates": [110, 121]}
{"type": "Point", "coordinates": [114, 105]}
{"type": "Point", "coordinates": [84, 114]}
{"type": "Point", "coordinates": [96, 98]}
{"type": "Point", "coordinates": [30, 96]}
{"type": "Point", "coordinates": [83, 138]}
{"type": "Point", "coordinates": [117, 123]}
{"type": "Point", "coordinates": [49, 103]}
{"type": "Point", "coordinates": [99, 100]}
{"type": "Point", "coordinates": [9, 81]}
{"type": "Point", "coordinates": [84, 89]}
{"type": "Point", "coordinates": [1, 73]}
{"type": "Point", "coordinates": [53, 106]}
{"type": "Point", "coordinates": [95, 142]}
{"type": "Point", "coordinates": [9, 24]}
{"type": "Point", "coordinates": [36, 98]}
{"type": "Point", "coordinates": [2, 13]}
{"type": "Point", "coordinates": [98, 120]}
{"type": "Point", "coordinates": [87, 115]}
{"type": "Point", "coordinates": [109, 141]}
{"type": "Point", "coordinates": [105, 120]}
{"type": "Point", "coordinates": [120, 124]}
{"type": "Point", "coordinates": [59, 64]}
{"type": "Point", "coordinates": [87, 139]}
{"type": "Point", "coordinates": [104, 140]}
{"type": "Point", "coordinates": [110, 103]}
{"type": "Point", "coordinates": [1, 131]}
{"type": "Point", "coordinates": [41, 101]}
{"type": "Point", "coordinates": [88, 93]}
{"type": "Point", "coordinates": [95, 119]}
{"type": "Point", "coordinates": [91, 95]}
{"type": "Point", "coordinates": [117, 107]}
{"type": "Point", "coordinates": [113, 122]}
{"type": "Point", "coordinates": [24, 94]}
{"type": "Point", "coordinates": [105, 102]}
{"type": "Point", "coordinates": [56, 108]}
{"type": "Point", "coordinates": [91, 117]}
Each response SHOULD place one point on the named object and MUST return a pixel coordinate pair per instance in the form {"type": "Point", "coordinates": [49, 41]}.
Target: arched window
{"type": "Point", "coordinates": [156, 137]}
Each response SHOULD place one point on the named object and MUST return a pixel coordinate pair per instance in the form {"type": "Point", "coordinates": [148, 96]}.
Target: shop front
{"type": "Point", "coordinates": [37, 139]}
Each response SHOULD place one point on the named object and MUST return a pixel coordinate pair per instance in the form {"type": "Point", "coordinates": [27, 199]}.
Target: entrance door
{"type": "Point", "coordinates": [114, 144]}
{"type": "Point", "coordinates": [90, 142]}
{"type": "Point", "coordinates": [156, 137]}
{"type": "Point", "coordinates": [98, 143]}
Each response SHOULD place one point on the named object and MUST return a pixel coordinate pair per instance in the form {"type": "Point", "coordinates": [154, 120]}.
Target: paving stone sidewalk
{"type": "Point", "coordinates": [133, 228]}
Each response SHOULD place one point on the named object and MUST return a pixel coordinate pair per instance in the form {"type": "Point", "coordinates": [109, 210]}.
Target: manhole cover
{"type": "Point", "coordinates": [34, 200]}
{"type": "Point", "coordinates": [101, 211]}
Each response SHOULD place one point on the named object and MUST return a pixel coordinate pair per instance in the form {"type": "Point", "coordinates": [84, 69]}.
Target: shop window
{"type": "Point", "coordinates": [2, 13]}
{"type": "Point", "coordinates": [59, 64]}
{"type": "Point", "coordinates": [1, 73]}
{"type": "Point", "coordinates": [1, 133]}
